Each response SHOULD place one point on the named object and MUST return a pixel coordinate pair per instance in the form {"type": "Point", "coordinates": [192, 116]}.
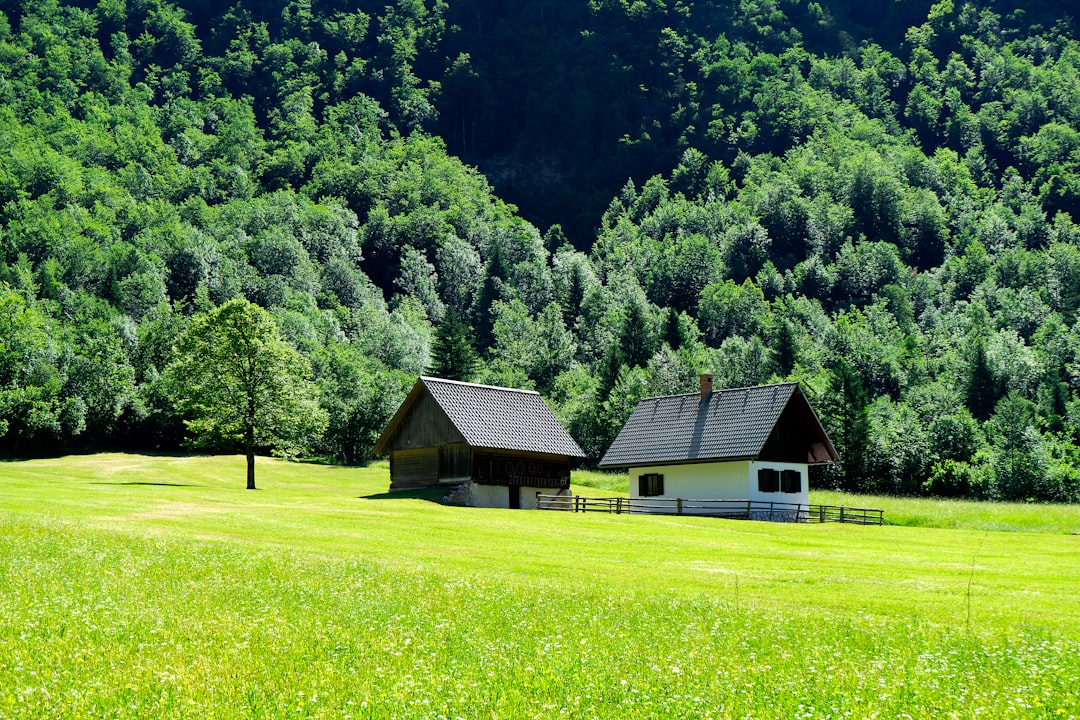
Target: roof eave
{"type": "Point", "coordinates": [485, 448]}
{"type": "Point", "coordinates": [662, 463]}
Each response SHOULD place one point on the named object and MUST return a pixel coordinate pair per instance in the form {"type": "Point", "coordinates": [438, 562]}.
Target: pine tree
{"type": "Point", "coordinates": [610, 367]}
{"type": "Point", "coordinates": [635, 339]}
{"type": "Point", "coordinates": [673, 330]}
{"type": "Point", "coordinates": [452, 354]}
{"type": "Point", "coordinates": [495, 277]}
{"type": "Point", "coordinates": [575, 293]}
{"type": "Point", "coordinates": [981, 392]}
{"type": "Point", "coordinates": [849, 402]}
{"type": "Point", "coordinates": [784, 350]}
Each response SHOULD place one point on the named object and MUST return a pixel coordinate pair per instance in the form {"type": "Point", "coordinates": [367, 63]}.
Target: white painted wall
{"type": "Point", "coordinates": [736, 480]}
{"type": "Point", "coordinates": [528, 496]}
{"type": "Point", "coordinates": [802, 497]}
{"type": "Point", "coordinates": [498, 496]}
{"type": "Point", "coordinates": [700, 481]}
{"type": "Point", "coordinates": [489, 496]}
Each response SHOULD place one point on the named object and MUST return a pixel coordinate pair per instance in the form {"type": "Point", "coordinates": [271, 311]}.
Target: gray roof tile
{"type": "Point", "coordinates": [501, 418]}
{"type": "Point", "coordinates": [730, 424]}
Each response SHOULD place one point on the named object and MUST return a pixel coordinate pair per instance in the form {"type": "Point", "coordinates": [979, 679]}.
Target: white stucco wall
{"type": "Point", "coordinates": [498, 496]}
{"type": "Point", "coordinates": [700, 481]}
{"type": "Point", "coordinates": [802, 497]}
{"type": "Point", "coordinates": [528, 496]}
{"type": "Point", "coordinates": [735, 480]}
{"type": "Point", "coordinates": [489, 496]}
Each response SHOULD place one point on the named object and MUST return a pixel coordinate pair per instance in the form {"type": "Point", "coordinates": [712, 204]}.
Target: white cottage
{"type": "Point", "coordinates": [752, 444]}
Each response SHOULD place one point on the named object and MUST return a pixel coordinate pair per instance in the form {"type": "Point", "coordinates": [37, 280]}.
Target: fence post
{"type": "Point", "coordinates": [841, 513]}
{"type": "Point", "coordinates": [618, 505]}
{"type": "Point", "coordinates": [821, 513]}
{"type": "Point", "coordinates": [678, 505]}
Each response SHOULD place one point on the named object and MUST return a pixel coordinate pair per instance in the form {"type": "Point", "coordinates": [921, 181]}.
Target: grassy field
{"type": "Point", "coordinates": [914, 512]}
{"type": "Point", "coordinates": [137, 587]}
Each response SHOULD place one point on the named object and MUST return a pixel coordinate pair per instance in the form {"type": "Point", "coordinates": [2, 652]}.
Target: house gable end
{"type": "Point", "coordinates": [797, 436]}
{"type": "Point", "coordinates": [739, 423]}
{"type": "Point", "coordinates": [419, 423]}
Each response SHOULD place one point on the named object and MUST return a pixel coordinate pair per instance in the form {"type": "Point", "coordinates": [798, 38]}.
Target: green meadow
{"type": "Point", "coordinates": [157, 587]}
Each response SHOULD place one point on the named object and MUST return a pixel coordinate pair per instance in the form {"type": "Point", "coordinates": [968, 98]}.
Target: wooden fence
{"type": "Point", "coordinates": [734, 509]}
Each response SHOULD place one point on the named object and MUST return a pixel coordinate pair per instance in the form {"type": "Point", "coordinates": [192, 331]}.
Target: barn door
{"type": "Point", "coordinates": [515, 497]}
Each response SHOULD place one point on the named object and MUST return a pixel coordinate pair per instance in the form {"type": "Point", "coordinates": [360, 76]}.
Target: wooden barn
{"type": "Point", "coordinates": [504, 444]}
{"type": "Point", "coordinates": [752, 444]}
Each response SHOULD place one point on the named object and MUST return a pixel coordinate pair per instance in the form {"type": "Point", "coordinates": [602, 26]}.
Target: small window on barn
{"type": "Point", "coordinates": [650, 484]}
{"type": "Point", "coordinates": [791, 481]}
{"type": "Point", "coordinates": [768, 480]}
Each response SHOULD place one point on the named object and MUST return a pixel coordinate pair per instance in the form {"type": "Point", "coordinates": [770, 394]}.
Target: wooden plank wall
{"type": "Point", "coordinates": [425, 426]}
{"type": "Point", "coordinates": [414, 468]}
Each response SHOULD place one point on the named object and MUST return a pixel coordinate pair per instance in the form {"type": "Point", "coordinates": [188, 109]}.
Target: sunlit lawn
{"type": "Point", "coordinates": [134, 586]}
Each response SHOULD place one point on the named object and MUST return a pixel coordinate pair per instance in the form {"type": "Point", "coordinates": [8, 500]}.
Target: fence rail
{"type": "Point", "coordinates": [735, 509]}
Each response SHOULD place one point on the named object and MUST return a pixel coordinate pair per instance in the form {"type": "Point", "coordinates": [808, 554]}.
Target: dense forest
{"type": "Point", "coordinates": [598, 199]}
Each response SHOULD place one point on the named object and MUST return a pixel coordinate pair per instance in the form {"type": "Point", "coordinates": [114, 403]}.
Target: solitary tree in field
{"type": "Point", "coordinates": [236, 381]}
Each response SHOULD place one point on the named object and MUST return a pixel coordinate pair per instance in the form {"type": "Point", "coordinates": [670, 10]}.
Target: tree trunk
{"type": "Point", "coordinates": [249, 446]}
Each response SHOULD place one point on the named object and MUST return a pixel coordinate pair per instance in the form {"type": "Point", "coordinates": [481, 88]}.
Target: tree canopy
{"type": "Point", "coordinates": [614, 196]}
{"type": "Point", "coordinates": [237, 382]}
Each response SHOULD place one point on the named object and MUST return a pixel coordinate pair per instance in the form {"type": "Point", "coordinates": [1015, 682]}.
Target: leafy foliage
{"type": "Point", "coordinates": [237, 382]}
{"type": "Point", "coordinates": [757, 189]}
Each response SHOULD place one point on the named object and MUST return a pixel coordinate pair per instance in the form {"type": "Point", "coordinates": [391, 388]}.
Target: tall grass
{"type": "Point", "coordinates": [964, 514]}
{"type": "Point", "coordinates": [321, 597]}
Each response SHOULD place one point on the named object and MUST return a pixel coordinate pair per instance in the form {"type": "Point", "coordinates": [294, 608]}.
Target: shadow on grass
{"type": "Point", "coordinates": [155, 484]}
{"type": "Point", "coordinates": [56, 454]}
{"type": "Point", "coordinates": [431, 494]}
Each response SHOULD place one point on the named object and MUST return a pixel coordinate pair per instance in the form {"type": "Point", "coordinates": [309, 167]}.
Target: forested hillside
{"type": "Point", "coordinates": [878, 199]}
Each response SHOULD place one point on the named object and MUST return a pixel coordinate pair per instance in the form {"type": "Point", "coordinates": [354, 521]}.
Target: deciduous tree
{"type": "Point", "coordinates": [236, 381]}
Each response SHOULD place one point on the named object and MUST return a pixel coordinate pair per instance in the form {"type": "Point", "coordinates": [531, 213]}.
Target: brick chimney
{"type": "Point", "coordinates": [706, 386]}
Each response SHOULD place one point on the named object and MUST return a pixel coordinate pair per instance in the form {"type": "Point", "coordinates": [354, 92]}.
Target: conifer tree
{"type": "Point", "coordinates": [848, 404]}
{"type": "Point", "coordinates": [981, 391]}
{"type": "Point", "coordinates": [495, 277]}
{"type": "Point", "coordinates": [452, 354]}
{"type": "Point", "coordinates": [635, 339]}
{"type": "Point", "coordinates": [784, 349]}
{"type": "Point", "coordinates": [673, 331]}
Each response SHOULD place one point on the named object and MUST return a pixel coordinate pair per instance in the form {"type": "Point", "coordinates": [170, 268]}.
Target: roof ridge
{"type": "Point", "coordinates": [427, 378]}
{"type": "Point", "coordinates": [722, 390]}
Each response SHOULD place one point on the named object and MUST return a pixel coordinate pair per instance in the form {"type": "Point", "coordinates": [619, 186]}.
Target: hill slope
{"type": "Point", "coordinates": [872, 199]}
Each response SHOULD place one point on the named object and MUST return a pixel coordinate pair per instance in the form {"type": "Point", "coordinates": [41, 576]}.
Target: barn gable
{"type": "Point", "coordinates": [447, 412]}
{"type": "Point", "coordinates": [504, 444]}
{"type": "Point", "coordinates": [419, 423]}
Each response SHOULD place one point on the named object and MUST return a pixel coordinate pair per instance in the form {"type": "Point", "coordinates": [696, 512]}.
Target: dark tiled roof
{"type": "Point", "coordinates": [499, 418]}
{"type": "Point", "coordinates": [730, 424]}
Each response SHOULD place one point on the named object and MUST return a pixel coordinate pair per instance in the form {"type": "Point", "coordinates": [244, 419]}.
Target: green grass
{"type": "Point", "coordinates": [964, 514]}
{"type": "Point", "coordinates": [610, 483]}
{"type": "Point", "coordinates": [135, 587]}
{"type": "Point", "coordinates": [914, 512]}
